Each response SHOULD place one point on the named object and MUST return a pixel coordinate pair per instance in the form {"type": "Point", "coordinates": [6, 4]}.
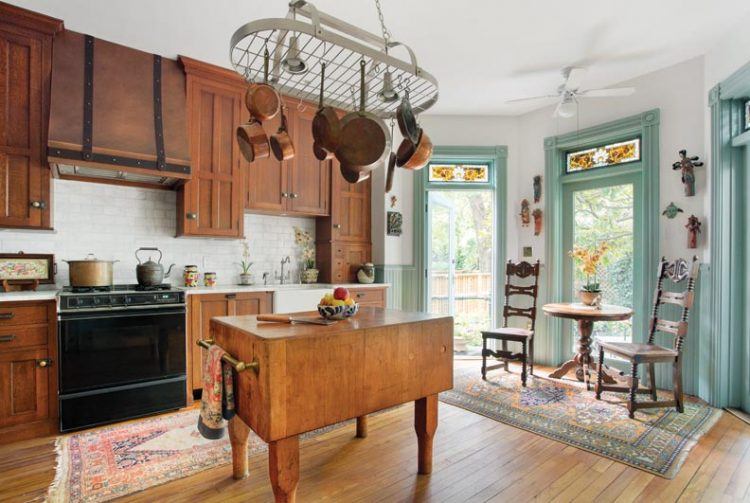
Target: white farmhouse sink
{"type": "Point", "coordinates": [296, 298]}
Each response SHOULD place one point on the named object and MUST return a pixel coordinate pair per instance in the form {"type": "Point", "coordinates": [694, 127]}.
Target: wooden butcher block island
{"type": "Point", "coordinates": [305, 377]}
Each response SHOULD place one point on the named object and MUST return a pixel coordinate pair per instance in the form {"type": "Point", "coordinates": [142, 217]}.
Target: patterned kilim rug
{"type": "Point", "coordinates": [113, 461]}
{"type": "Point", "coordinates": [657, 440]}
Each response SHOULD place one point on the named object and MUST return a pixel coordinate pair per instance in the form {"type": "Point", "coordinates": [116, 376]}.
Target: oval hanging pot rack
{"type": "Point", "coordinates": [341, 45]}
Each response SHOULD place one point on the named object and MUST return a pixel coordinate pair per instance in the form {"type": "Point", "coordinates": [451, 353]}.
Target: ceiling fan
{"type": "Point", "coordinates": [569, 92]}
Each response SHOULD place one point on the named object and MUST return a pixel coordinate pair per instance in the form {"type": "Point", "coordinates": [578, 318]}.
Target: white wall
{"type": "Point", "coordinates": [729, 53]}
{"type": "Point", "coordinates": [678, 91]}
{"type": "Point", "coordinates": [112, 222]}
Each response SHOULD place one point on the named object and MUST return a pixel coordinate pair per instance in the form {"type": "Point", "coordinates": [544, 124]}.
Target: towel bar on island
{"type": "Point", "coordinates": [238, 365]}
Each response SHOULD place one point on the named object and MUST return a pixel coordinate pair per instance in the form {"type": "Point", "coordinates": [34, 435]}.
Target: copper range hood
{"type": "Point", "coordinates": [117, 115]}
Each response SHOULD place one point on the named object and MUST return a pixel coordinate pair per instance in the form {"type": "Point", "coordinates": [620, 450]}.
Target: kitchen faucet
{"type": "Point", "coordinates": [285, 260]}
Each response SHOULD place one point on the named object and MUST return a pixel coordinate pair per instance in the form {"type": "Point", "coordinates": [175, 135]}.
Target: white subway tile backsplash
{"type": "Point", "coordinates": [112, 222]}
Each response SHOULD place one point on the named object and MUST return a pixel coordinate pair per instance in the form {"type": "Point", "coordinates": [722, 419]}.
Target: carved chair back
{"type": "Point", "coordinates": [677, 272]}
{"type": "Point", "coordinates": [521, 270]}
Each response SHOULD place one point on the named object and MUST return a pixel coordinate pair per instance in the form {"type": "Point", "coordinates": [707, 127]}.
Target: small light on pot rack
{"type": "Point", "coordinates": [388, 94]}
{"type": "Point", "coordinates": [293, 63]}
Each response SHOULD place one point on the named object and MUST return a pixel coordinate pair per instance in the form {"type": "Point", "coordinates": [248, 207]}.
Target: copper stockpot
{"type": "Point", "coordinates": [90, 272]}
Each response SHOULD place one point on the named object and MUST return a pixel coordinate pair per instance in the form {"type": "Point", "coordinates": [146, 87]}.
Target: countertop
{"type": "Point", "coordinates": [39, 295]}
{"type": "Point", "coordinates": [368, 317]}
{"type": "Point", "coordinates": [50, 294]}
{"type": "Point", "coordinates": [276, 287]}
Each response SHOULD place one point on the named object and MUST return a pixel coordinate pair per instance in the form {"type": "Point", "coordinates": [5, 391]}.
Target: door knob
{"type": "Point", "coordinates": [337, 226]}
{"type": "Point", "coordinates": [192, 216]}
{"type": "Point", "coordinates": [39, 205]}
{"type": "Point", "coordinates": [45, 362]}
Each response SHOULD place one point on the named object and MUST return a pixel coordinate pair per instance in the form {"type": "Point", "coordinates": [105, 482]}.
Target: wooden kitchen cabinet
{"type": "Point", "coordinates": [203, 307]}
{"type": "Point", "coordinates": [374, 296]}
{"type": "Point", "coordinates": [25, 78]}
{"type": "Point", "coordinates": [343, 241]}
{"type": "Point", "coordinates": [211, 203]}
{"type": "Point", "coordinates": [299, 186]}
{"type": "Point", "coordinates": [28, 376]}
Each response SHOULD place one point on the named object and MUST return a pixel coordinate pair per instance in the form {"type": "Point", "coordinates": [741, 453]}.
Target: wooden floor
{"type": "Point", "coordinates": [476, 459]}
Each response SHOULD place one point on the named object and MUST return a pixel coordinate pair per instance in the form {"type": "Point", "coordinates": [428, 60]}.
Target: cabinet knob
{"type": "Point", "coordinates": [230, 296]}
{"type": "Point", "coordinates": [45, 362]}
{"type": "Point", "coordinates": [337, 226]}
{"type": "Point", "coordinates": [191, 216]}
{"type": "Point", "coordinates": [294, 195]}
{"type": "Point", "coordinates": [39, 205]}
{"type": "Point", "coordinates": [285, 194]}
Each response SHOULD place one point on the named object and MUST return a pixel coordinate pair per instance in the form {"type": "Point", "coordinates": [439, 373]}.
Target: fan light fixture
{"type": "Point", "coordinates": [293, 63]}
{"type": "Point", "coordinates": [567, 108]}
{"type": "Point", "coordinates": [387, 94]}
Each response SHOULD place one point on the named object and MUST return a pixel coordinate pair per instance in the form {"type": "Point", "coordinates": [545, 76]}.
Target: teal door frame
{"type": "Point", "coordinates": [619, 175]}
{"type": "Point", "coordinates": [497, 157]}
{"type": "Point", "coordinates": [551, 346]}
{"type": "Point", "coordinates": [727, 333]}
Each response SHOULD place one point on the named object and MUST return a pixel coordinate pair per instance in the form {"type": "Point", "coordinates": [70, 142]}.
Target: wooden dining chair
{"type": "Point", "coordinates": [651, 353]}
{"type": "Point", "coordinates": [510, 334]}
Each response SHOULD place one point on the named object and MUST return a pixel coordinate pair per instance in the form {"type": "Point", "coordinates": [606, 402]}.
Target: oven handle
{"type": "Point", "coordinates": [119, 314]}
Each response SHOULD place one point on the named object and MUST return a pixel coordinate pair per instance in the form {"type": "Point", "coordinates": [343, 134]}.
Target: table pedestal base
{"type": "Point", "coordinates": [582, 362]}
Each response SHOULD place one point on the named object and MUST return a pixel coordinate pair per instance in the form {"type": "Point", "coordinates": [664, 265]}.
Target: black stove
{"type": "Point", "coordinates": [119, 297]}
{"type": "Point", "coordinates": [121, 353]}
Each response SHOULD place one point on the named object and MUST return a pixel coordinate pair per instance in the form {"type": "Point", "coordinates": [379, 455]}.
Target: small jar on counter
{"type": "Point", "coordinates": [209, 279]}
{"type": "Point", "coordinates": [190, 276]}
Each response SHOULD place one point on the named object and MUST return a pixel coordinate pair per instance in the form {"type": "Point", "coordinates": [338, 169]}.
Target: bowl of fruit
{"type": "Point", "coordinates": [337, 305]}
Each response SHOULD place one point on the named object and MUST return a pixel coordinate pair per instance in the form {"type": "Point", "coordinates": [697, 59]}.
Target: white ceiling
{"type": "Point", "coordinates": [483, 52]}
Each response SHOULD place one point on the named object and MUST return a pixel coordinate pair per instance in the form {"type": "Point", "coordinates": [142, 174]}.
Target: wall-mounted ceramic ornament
{"type": "Point", "coordinates": [528, 251]}
{"type": "Point", "coordinates": [525, 213]}
{"type": "Point", "coordinates": [395, 221]}
{"type": "Point", "coordinates": [394, 200]}
{"type": "Point", "coordinates": [694, 228]}
{"type": "Point", "coordinates": [537, 188]}
{"type": "Point", "coordinates": [687, 165]}
{"type": "Point", "coordinates": [537, 213]}
{"type": "Point", "coordinates": [671, 211]}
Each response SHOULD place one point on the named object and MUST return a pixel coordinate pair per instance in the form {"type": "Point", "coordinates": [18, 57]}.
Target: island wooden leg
{"type": "Point", "coordinates": [238, 433]}
{"type": "Point", "coordinates": [362, 427]}
{"type": "Point", "coordinates": [283, 467]}
{"type": "Point", "coordinates": [425, 423]}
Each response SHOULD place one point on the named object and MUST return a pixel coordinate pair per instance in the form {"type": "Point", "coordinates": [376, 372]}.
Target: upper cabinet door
{"type": "Point", "coordinates": [350, 218]}
{"type": "Point", "coordinates": [213, 198]}
{"type": "Point", "coordinates": [309, 178]}
{"type": "Point", "coordinates": [24, 90]}
{"type": "Point", "coordinates": [267, 180]}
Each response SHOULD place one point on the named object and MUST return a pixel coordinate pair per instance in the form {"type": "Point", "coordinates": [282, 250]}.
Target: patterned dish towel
{"type": "Point", "coordinates": [217, 402]}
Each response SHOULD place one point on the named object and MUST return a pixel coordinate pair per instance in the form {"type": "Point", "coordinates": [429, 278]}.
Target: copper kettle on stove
{"type": "Point", "coordinates": [150, 273]}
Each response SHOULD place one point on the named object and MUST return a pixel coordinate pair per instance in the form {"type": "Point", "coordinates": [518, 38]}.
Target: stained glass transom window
{"type": "Point", "coordinates": [606, 155]}
{"type": "Point", "coordinates": [459, 173]}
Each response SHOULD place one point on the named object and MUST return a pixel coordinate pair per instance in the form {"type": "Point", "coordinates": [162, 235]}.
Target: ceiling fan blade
{"type": "Point", "coordinates": [534, 98]}
{"type": "Point", "coordinates": [575, 78]}
{"type": "Point", "coordinates": [607, 93]}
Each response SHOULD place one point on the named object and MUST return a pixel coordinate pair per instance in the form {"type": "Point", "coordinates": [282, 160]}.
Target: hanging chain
{"type": "Point", "coordinates": [386, 34]}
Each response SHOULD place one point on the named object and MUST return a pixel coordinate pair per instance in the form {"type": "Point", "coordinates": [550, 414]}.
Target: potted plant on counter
{"type": "Point", "coordinates": [303, 239]}
{"type": "Point", "coordinates": [246, 277]}
{"type": "Point", "coordinates": [588, 261]}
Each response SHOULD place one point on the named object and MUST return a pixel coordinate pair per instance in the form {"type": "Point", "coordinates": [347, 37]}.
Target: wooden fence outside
{"type": "Point", "coordinates": [472, 293]}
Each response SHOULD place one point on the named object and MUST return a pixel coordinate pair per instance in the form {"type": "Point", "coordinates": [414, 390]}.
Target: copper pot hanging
{"type": "Point", "coordinates": [261, 99]}
{"type": "Point", "coordinates": [326, 126]}
{"type": "Point", "coordinates": [281, 142]}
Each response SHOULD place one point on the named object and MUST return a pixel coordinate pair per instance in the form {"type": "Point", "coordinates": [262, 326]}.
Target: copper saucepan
{"type": "Point", "coordinates": [281, 142]}
{"type": "Point", "coordinates": [252, 140]}
{"type": "Point", "coordinates": [411, 156]}
{"type": "Point", "coordinates": [364, 137]}
{"type": "Point", "coordinates": [326, 126]}
{"type": "Point", "coordinates": [262, 100]}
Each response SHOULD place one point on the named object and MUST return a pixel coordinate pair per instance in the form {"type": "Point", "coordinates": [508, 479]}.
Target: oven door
{"type": "Point", "coordinates": [105, 349]}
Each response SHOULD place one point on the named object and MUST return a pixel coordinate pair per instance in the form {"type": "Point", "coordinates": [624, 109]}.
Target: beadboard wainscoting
{"type": "Point", "coordinates": [113, 221]}
{"type": "Point", "coordinates": [404, 281]}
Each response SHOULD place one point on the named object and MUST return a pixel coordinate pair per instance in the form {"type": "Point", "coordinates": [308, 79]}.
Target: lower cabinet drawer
{"type": "Point", "coordinates": [369, 296]}
{"type": "Point", "coordinates": [23, 315]}
{"type": "Point", "coordinates": [23, 336]}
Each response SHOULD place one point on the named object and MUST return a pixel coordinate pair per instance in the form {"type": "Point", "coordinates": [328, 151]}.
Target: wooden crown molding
{"type": "Point", "coordinates": [194, 67]}
{"type": "Point", "coordinates": [30, 19]}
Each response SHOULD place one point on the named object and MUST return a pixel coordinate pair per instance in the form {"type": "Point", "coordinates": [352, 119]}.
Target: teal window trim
{"type": "Point", "coordinates": [497, 156]}
{"type": "Point", "coordinates": [550, 347]}
{"type": "Point", "coordinates": [728, 330]}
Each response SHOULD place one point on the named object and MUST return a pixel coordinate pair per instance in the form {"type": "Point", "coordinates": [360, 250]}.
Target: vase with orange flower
{"type": "Point", "coordinates": [588, 260]}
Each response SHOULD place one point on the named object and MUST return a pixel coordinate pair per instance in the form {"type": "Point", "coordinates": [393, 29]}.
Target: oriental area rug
{"type": "Point", "coordinates": [657, 440]}
{"type": "Point", "coordinates": [113, 461]}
